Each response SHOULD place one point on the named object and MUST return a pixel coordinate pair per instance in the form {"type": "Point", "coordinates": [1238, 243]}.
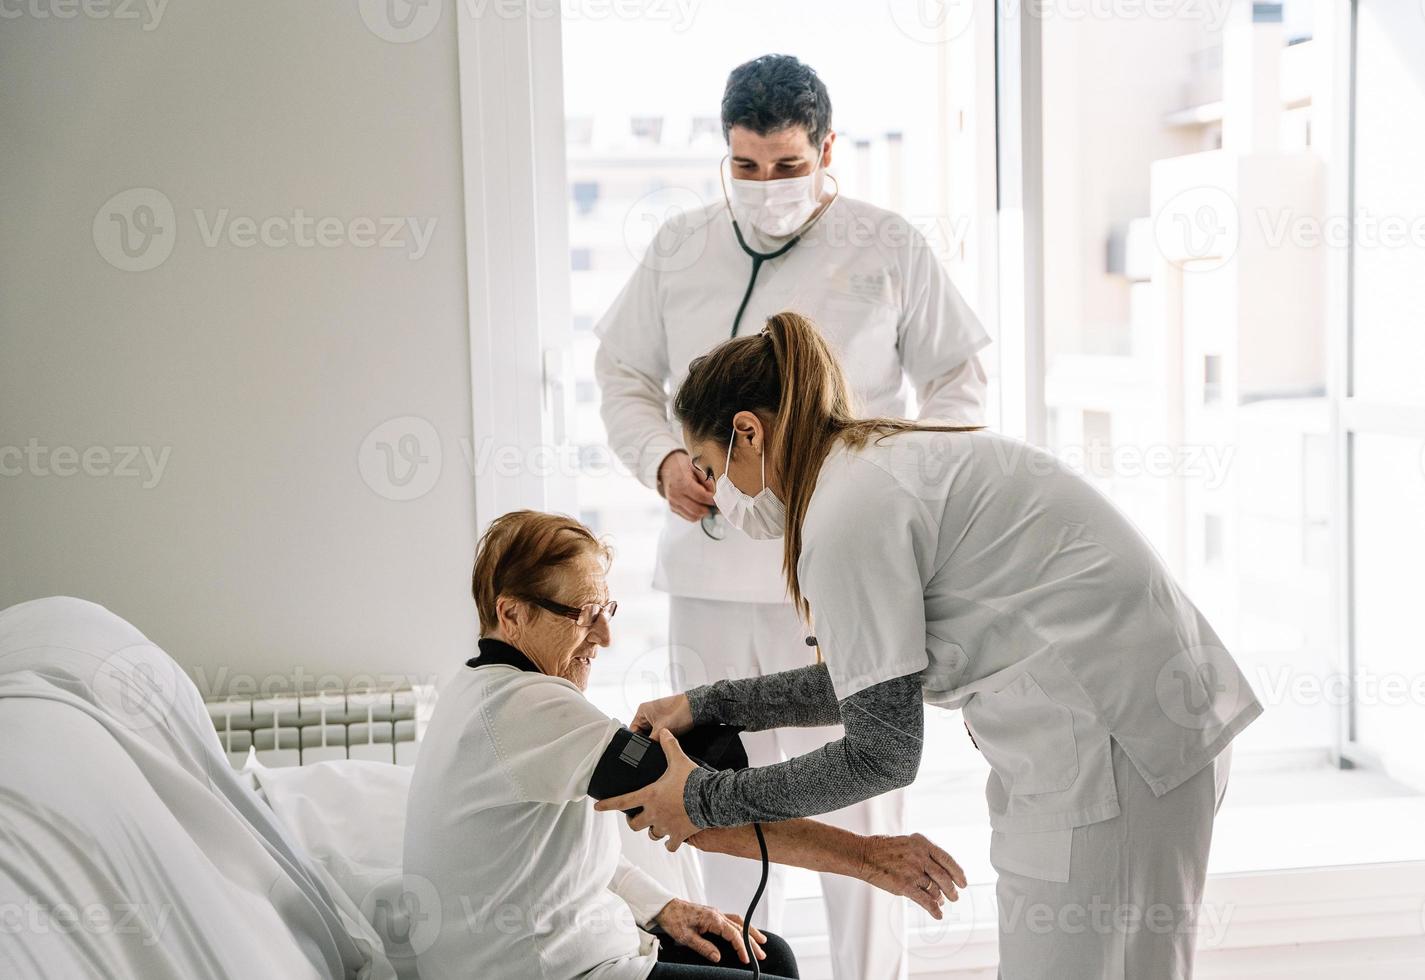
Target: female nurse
{"type": "Point", "coordinates": [964, 569]}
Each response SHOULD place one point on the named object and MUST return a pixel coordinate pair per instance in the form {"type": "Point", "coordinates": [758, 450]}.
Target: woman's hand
{"type": "Point", "coordinates": [913, 867]}
{"type": "Point", "coordinates": [673, 713]}
{"type": "Point", "coordinates": [662, 802]}
{"type": "Point", "coordinates": [686, 923]}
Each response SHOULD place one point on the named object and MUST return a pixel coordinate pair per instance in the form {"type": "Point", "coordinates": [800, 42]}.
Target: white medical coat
{"type": "Point", "coordinates": [1030, 602]}
{"type": "Point", "coordinates": [869, 281]}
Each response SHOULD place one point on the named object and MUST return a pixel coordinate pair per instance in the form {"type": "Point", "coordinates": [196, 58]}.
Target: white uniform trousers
{"type": "Point", "coordinates": [1130, 907]}
{"type": "Point", "coordinates": [714, 640]}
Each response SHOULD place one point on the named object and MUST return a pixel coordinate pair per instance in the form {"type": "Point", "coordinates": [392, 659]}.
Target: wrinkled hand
{"type": "Point", "coordinates": [686, 923]}
{"type": "Point", "coordinates": [912, 867]}
{"type": "Point", "coordinates": [672, 713]}
{"type": "Point", "coordinates": [689, 493]}
{"type": "Point", "coordinates": [662, 802]}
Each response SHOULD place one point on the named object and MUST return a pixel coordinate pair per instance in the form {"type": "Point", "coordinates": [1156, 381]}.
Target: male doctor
{"type": "Point", "coordinates": [783, 238]}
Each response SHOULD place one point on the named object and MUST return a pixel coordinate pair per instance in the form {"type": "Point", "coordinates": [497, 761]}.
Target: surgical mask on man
{"type": "Point", "coordinates": [776, 208]}
{"type": "Point", "coordinates": [760, 517]}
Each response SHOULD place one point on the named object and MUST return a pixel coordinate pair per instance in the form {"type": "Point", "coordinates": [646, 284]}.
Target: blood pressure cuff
{"type": "Point", "coordinates": [633, 761]}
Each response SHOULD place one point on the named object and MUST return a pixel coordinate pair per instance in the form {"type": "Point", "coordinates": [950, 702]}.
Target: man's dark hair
{"type": "Point", "coordinates": [770, 93]}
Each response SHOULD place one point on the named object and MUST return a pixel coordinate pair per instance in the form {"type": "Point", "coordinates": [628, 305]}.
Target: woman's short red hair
{"type": "Point", "coordinates": [519, 554]}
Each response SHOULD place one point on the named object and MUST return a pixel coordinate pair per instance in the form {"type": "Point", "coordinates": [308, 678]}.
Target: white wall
{"type": "Point", "coordinates": [259, 547]}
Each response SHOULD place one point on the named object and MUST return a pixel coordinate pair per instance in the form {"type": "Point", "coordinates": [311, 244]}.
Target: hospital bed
{"type": "Point", "coordinates": [148, 835]}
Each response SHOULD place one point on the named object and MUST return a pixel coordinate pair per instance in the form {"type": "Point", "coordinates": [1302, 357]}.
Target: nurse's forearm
{"type": "Point", "coordinates": [796, 843]}
{"type": "Point", "coordinates": [879, 753]}
{"type": "Point", "coordinates": [800, 698]}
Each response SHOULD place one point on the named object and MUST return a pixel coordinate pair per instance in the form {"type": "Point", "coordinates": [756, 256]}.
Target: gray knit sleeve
{"type": "Point", "coordinates": [800, 698]}
{"type": "Point", "coordinates": [880, 752]}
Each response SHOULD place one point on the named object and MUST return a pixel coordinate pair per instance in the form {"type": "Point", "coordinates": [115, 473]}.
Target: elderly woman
{"type": "Point", "coordinates": [519, 876]}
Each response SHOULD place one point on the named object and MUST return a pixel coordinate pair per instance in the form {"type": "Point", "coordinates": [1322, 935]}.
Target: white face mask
{"type": "Point", "coordinates": [760, 517]}
{"type": "Point", "coordinates": [776, 208]}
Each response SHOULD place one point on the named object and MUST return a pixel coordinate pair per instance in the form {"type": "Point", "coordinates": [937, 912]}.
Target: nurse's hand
{"type": "Point", "coordinates": [662, 801]}
{"type": "Point", "coordinates": [672, 713]}
{"type": "Point", "coordinates": [913, 867]}
{"type": "Point", "coordinates": [686, 924]}
{"type": "Point", "coordinates": [689, 493]}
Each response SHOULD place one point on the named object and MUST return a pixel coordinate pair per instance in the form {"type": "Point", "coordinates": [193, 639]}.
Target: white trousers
{"type": "Point", "coordinates": [713, 640]}
{"type": "Point", "coordinates": [1130, 907]}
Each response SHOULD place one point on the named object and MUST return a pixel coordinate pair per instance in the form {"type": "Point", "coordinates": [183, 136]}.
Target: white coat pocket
{"type": "Point", "coordinates": [1027, 737]}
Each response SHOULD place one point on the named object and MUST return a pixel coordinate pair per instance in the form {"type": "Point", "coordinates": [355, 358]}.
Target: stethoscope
{"type": "Point", "coordinates": [712, 524]}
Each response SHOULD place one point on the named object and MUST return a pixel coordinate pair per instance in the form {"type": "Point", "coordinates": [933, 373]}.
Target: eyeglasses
{"type": "Point", "coordinates": [584, 616]}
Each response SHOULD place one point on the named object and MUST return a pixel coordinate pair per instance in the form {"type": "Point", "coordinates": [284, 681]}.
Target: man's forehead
{"type": "Point", "coordinates": [792, 141]}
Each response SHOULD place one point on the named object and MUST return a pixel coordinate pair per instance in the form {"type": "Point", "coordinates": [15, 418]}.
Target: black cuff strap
{"type": "Point", "coordinates": [633, 761]}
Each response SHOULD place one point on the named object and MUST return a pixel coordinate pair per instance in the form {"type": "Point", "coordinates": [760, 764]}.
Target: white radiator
{"type": "Point", "coordinates": [379, 724]}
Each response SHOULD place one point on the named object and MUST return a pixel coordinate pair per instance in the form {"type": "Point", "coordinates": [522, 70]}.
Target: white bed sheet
{"type": "Point", "coordinates": [129, 849]}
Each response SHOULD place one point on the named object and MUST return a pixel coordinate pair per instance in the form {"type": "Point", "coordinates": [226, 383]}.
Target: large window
{"type": "Point", "coordinates": [1222, 344]}
{"type": "Point", "coordinates": [643, 127]}
{"type": "Point", "coordinates": [1384, 413]}
{"type": "Point", "coordinates": [1198, 243]}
